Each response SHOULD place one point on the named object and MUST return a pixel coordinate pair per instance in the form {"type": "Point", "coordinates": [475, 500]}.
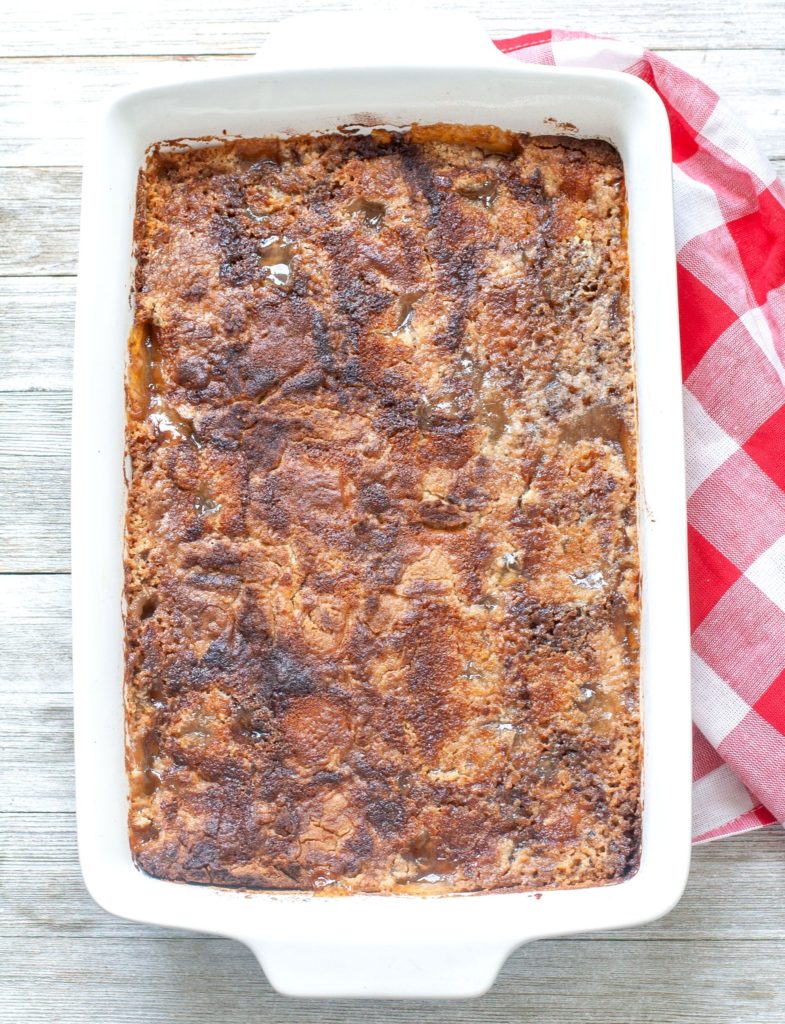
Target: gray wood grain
{"type": "Point", "coordinates": [206, 981]}
{"type": "Point", "coordinates": [35, 634]}
{"type": "Point", "coordinates": [184, 27]}
{"type": "Point", "coordinates": [34, 481]}
{"type": "Point", "coordinates": [48, 200]}
{"type": "Point", "coordinates": [37, 328]}
{"type": "Point", "coordinates": [36, 766]}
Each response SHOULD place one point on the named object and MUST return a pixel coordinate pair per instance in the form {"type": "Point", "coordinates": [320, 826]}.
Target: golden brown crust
{"type": "Point", "coordinates": [382, 569]}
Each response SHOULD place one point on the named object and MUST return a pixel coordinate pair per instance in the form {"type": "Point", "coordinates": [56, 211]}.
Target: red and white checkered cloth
{"type": "Point", "coordinates": [730, 241]}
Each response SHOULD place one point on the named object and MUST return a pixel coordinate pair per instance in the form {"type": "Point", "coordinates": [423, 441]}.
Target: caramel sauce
{"type": "Point", "coordinates": [586, 696]}
{"type": "Point", "coordinates": [588, 580]}
{"type": "Point", "coordinates": [144, 606]}
{"type": "Point", "coordinates": [487, 138]}
{"type": "Point", "coordinates": [148, 783]}
{"type": "Point", "coordinates": [258, 217]}
{"type": "Point", "coordinates": [500, 726]}
{"type": "Point", "coordinates": [430, 863]}
{"type": "Point", "coordinates": [624, 630]}
{"type": "Point", "coordinates": [601, 709]}
{"type": "Point", "coordinates": [493, 414]}
{"type": "Point", "coordinates": [483, 192]}
{"type": "Point", "coordinates": [276, 254]}
{"type": "Point", "coordinates": [252, 725]}
{"type": "Point", "coordinates": [195, 725]}
{"type": "Point", "coordinates": [423, 413]}
{"type": "Point", "coordinates": [490, 406]}
{"type": "Point", "coordinates": [146, 749]}
{"type": "Point", "coordinates": [204, 505]}
{"type": "Point", "coordinates": [145, 387]}
{"type": "Point", "coordinates": [252, 153]}
{"type": "Point", "coordinates": [405, 315]}
{"type": "Point", "coordinates": [372, 210]}
{"type": "Point", "coordinates": [170, 425]}
{"type": "Point", "coordinates": [139, 371]}
{"type": "Point", "coordinates": [601, 421]}
{"type": "Point", "coordinates": [511, 565]}
{"type": "Point", "coordinates": [157, 695]}
{"type": "Point", "coordinates": [472, 672]}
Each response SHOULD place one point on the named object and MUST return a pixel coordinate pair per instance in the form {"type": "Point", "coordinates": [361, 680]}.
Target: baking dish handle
{"type": "Point", "coordinates": [353, 39]}
{"type": "Point", "coordinates": [357, 970]}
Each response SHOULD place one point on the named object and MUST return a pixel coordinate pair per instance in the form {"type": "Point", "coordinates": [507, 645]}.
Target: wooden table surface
{"type": "Point", "coordinates": [719, 957]}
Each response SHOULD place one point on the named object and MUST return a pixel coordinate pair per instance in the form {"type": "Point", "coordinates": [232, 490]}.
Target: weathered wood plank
{"type": "Point", "coordinates": [35, 634]}
{"type": "Point", "coordinates": [37, 331]}
{"type": "Point", "coordinates": [40, 217]}
{"type": "Point", "coordinates": [34, 481]}
{"type": "Point", "coordinates": [201, 981]}
{"type": "Point", "coordinates": [36, 764]}
{"type": "Point", "coordinates": [49, 103]}
{"type": "Point", "coordinates": [149, 27]}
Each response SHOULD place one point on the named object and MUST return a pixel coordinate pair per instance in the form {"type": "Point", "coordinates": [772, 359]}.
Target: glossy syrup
{"type": "Point", "coordinates": [483, 192]}
{"type": "Point", "coordinates": [206, 506]}
{"type": "Point", "coordinates": [146, 385]}
{"type": "Point", "coordinates": [276, 254]}
{"type": "Point", "coordinates": [405, 315]}
{"type": "Point", "coordinates": [371, 209]}
{"type": "Point", "coordinates": [431, 864]}
{"type": "Point", "coordinates": [603, 422]}
{"type": "Point", "coordinates": [490, 408]}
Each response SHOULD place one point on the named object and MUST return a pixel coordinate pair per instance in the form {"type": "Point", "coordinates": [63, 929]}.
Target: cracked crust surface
{"type": "Point", "coordinates": [382, 563]}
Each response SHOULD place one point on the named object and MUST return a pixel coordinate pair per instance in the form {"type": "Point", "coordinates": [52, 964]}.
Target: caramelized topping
{"type": "Point", "coordinates": [439, 515]}
{"type": "Point", "coordinates": [486, 138]}
{"type": "Point", "coordinates": [381, 573]}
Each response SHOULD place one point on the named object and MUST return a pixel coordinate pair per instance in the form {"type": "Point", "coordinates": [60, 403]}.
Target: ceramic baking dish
{"type": "Point", "coordinates": [315, 73]}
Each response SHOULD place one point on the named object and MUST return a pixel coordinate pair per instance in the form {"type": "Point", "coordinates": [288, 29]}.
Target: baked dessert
{"type": "Point", "coordinates": [382, 563]}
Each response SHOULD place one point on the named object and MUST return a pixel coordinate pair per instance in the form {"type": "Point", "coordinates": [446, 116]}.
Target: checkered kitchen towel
{"type": "Point", "coordinates": [730, 240]}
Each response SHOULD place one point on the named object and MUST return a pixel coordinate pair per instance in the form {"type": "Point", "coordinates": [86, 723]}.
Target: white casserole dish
{"type": "Point", "coordinates": [316, 73]}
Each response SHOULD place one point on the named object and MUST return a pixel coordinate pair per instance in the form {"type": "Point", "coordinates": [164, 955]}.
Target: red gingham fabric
{"type": "Point", "coordinates": [730, 241]}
